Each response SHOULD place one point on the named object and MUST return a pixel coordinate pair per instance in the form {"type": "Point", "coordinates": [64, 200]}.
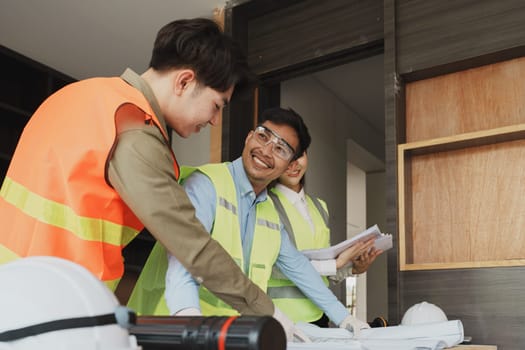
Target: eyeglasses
{"type": "Point", "coordinates": [280, 147]}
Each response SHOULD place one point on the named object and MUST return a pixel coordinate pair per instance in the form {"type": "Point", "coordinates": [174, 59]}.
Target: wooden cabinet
{"type": "Point", "coordinates": [24, 85]}
{"type": "Point", "coordinates": [460, 171]}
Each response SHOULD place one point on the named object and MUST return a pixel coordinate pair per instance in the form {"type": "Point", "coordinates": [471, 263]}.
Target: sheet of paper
{"type": "Point", "coordinates": [383, 242]}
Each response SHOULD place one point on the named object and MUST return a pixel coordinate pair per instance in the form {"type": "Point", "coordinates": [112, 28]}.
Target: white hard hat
{"type": "Point", "coordinates": [423, 313]}
{"type": "Point", "coordinates": [51, 303]}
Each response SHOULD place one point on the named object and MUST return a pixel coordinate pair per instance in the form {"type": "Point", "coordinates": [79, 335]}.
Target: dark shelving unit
{"type": "Point", "coordinates": [24, 85]}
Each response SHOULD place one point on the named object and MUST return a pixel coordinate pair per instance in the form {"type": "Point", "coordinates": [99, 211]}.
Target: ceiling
{"type": "Point", "coordinates": [103, 37]}
{"type": "Point", "coordinates": [92, 37]}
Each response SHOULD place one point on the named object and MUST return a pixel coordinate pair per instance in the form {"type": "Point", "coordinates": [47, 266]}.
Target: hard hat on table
{"type": "Point", "coordinates": [423, 313]}
{"type": "Point", "coordinates": [52, 303]}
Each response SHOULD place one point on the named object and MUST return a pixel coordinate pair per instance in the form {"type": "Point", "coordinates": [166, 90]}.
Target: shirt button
{"type": "Point", "coordinates": [199, 279]}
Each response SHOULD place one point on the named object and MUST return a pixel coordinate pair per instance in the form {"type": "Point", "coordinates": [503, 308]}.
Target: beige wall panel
{"type": "Point", "coordinates": [467, 205]}
{"type": "Point", "coordinates": [477, 99]}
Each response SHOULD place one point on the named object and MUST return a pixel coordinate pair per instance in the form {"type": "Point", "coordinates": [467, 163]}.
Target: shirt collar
{"type": "Point", "coordinates": [242, 182]}
{"type": "Point", "coordinates": [291, 195]}
{"type": "Point", "coordinates": [140, 84]}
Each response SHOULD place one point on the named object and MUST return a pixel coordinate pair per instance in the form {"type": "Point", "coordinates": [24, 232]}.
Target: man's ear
{"type": "Point", "coordinates": [182, 80]}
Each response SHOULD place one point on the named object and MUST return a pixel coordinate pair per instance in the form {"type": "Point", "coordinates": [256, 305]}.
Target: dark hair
{"type": "Point", "coordinates": [281, 116]}
{"type": "Point", "coordinates": [199, 44]}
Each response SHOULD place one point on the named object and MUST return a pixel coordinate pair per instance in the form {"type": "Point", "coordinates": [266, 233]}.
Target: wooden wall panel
{"type": "Point", "coordinates": [433, 38]}
{"type": "Point", "coordinates": [427, 39]}
{"type": "Point", "coordinates": [311, 30]}
{"type": "Point", "coordinates": [216, 132]}
{"type": "Point", "coordinates": [467, 205]}
{"type": "Point", "coordinates": [472, 100]}
{"type": "Point", "coordinates": [433, 33]}
{"type": "Point", "coordinates": [489, 302]}
{"type": "Point", "coordinates": [459, 199]}
{"type": "Point", "coordinates": [394, 96]}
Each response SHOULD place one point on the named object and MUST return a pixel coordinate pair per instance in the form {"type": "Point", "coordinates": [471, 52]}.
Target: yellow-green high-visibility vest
{"type": "Point", "coordinates": [285, 295]}
{"type": "Point", "coordinates": [226, 230]}
{"type": "Point", "coordinates": [148, 295]}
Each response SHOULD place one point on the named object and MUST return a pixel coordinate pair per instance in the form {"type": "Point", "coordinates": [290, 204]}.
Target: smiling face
{"type": "Point", "coordinates": [293, 175]}
{"type": "Point", "coordinates": [262, 166]}
{"type": "Point", "coordinates": [194, 106]}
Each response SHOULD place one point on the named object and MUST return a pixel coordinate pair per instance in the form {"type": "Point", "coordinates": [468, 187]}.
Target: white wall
{"type": "Point", "coordinates": [355, 200]}
{"type": "Point", "coordinates": [326, 176]}
{"type": "Point", "coordinates": [195, 150]}
{"type": "Point", "coordinates": [355, 223]}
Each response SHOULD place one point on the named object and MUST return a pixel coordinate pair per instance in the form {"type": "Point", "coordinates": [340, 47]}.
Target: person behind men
{"type": "Point", "coordinates": [94, 166]}
{"type": "Point", "coordinates": [231, 201]}
{"type": "Point", "coordinates": [306, 220]}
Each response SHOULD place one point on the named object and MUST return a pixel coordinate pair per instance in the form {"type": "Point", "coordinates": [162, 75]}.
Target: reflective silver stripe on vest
{"type": "Point", "coordinates": [283, 217]}
{"type": "Point", "coordinates": [229, 206]}
{"type": "Point", "coordinates": [268, 224]}
{"type": "Point", "coordinates": [320, 209]}
{"type": "Point", "coordinates": [277, 274]}
{"type": "Point", "coordinates": [287, 292]}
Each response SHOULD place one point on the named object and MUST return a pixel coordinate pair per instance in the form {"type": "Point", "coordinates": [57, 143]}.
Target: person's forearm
{"type": "Point", "coordinates": [328, 268]}
{"type": "Point", "coordinates": [182, 291]}
{"type": "Point", "coordinates": [300, 271]}
{"type": "Point", "coordinates": [324, 267]}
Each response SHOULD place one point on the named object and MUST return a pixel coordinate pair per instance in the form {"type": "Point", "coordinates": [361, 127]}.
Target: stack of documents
{"type": "Point", "coordinates": [383, 241]}
{"type": "Point", "coordinates": [325, 338]}
{"type": "Point", "coordinates": [432, 336]}
{"type": "Point", "coordinates": [429, 336]}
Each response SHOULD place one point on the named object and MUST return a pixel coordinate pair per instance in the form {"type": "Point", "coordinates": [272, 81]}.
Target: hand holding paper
{"type": "Point", "coordinates": [382, 242]}
{"type": "Point", "coordinates": [363, 261]}
{"type": "Point", "coordinates": [353, 252]}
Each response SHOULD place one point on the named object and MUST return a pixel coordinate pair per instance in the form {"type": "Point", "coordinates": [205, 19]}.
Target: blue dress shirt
{"type": "Point", "coordinates": [182, 289]}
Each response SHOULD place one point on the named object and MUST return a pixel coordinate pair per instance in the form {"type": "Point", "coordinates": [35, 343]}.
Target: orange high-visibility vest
{"type": "Point", "coordinates": [55, 199]}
